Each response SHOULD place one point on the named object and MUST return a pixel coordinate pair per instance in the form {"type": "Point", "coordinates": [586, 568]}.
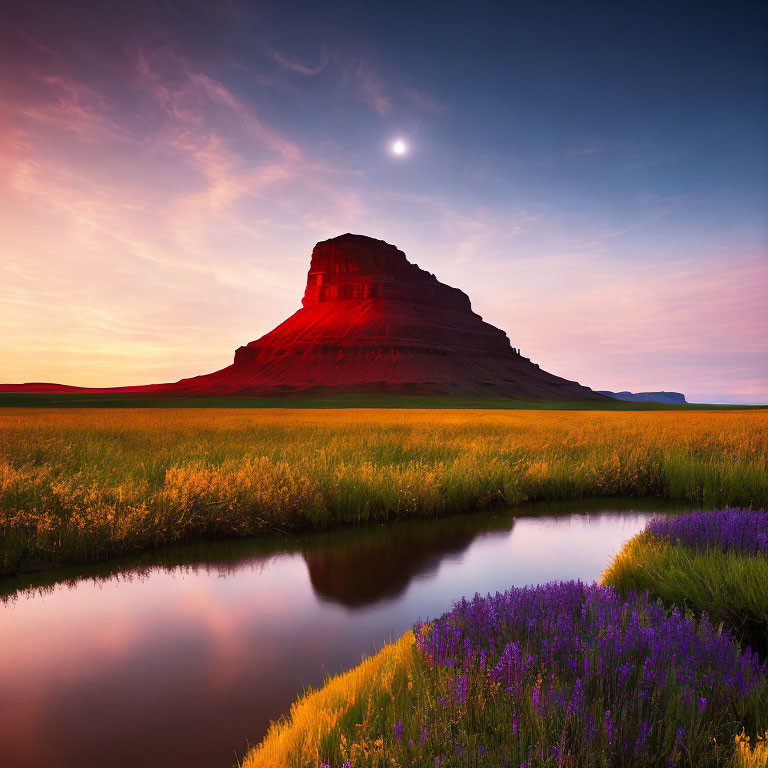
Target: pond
{"type": "Point", "coordinates": [184, 656]}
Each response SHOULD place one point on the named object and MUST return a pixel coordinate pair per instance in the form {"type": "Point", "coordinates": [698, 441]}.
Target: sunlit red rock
{"type": "Point", "coordinates": [371, 321]}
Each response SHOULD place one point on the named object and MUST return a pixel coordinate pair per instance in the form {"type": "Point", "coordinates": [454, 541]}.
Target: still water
{"type": "Point", "coordinates": [184, 657]}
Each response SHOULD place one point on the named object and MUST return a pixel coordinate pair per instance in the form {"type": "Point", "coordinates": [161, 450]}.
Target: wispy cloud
{"type": "Point", "coordinates": [664, 206]}
{"type": "Point", "coordinates": [466, 234]}
{"type": "Point", "coordinates": [423, 100]}
{"type": "Point", "coordinates": [372, 89]}
{"type": "Point", "coordinates": [63, 103]}
{"type": "Point", "coordinates": [293, 65]}
{"type": "Point", "coordinates": [583, 151]}
{"type": "Point", "coordinates": [366, 82]}
{"type": "Point", "coordinates": [179, 216]}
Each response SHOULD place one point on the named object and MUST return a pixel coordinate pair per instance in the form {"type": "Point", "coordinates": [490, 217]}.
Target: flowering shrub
{"type": "Point", "coordinates": [570, 674]}
{"type": "Point", "coordinates": [741, 530]}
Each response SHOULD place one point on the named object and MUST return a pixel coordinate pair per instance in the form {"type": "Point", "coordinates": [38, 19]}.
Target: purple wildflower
{"type": "Point", "coordinates": [460, 693]}
{"type": "Point", "coordinates": [569, 650]}
{"type": "Point", "coordinates": [743, 530]}
{"type": "Point", "coordinates": [608, 725]}
{"type": "Point", "coordinates": [642, 738]}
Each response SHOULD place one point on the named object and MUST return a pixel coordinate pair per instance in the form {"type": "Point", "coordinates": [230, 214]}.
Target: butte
{"type": "Point", "coordinates": [372, 322]}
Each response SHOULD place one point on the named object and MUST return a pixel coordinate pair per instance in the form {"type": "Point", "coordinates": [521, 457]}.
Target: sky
{"type": "Point", "coordinates": [593, 175]}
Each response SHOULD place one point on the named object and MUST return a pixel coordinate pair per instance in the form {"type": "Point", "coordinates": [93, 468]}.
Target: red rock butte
{"type": "Point", "coordinates": [372, 322]}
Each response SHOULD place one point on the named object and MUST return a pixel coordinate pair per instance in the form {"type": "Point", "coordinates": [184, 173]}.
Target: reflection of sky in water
{"type": "Point", "coordinates": [537, 551]}
{"type": "Point", "coordinates": [182, 666]}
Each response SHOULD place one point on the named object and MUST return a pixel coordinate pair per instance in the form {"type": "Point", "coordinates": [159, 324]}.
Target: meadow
{"type": "Point", "coordinates": [79, 485]}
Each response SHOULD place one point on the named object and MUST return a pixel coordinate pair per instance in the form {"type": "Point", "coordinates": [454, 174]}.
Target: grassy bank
{"type": "Point", "coordinates": [732, 588]}
{"type": "Point", "coordinates": [84, 485]}
{"type": "Point", "coordinates": [560, 675]}
{"type": "Point", "coordinates": [729, 583]}
{"type": "Point", "coordinates": [346, 717]}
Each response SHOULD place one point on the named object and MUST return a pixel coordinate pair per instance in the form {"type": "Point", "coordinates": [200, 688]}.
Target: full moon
{"type": "Point", "coordinates": [399, 147]}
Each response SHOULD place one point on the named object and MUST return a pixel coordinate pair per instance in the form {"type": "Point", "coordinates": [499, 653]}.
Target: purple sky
{"type": "Point", "coordinates": [595, 181]}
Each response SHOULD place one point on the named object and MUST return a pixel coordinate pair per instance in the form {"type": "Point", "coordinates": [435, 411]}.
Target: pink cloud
{"type": "Point", "coordinates": [423, 100]}
{"type": "Point", "coordinates": [372, 89]}
{"type": "Point", "coordinates": [72, 106]}
{"type": "Point", "coordinates": [114, 260]}
{"type": "Point", "coordinates": [251, 125]}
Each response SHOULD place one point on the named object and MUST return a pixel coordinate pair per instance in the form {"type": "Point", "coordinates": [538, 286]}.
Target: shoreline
{"type": "Point", "coordinates": [386, 679]}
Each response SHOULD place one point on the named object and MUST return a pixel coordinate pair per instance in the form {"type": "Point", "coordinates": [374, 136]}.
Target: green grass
{"type": "Point", "coordinates": [119, 400]}
{"type": "Point", "coordinates": [731, 587]}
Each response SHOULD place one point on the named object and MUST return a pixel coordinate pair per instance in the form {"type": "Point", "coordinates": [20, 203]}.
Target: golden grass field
{"type": "Point", "coordinates": [79, 485]}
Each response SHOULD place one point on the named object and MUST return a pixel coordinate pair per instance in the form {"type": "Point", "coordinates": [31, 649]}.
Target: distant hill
{"type": "Point", "coordinates": [670, 398]}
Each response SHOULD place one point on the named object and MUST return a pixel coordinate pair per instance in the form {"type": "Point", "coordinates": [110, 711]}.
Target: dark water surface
{"type": "Point", "coordinates": [184, 657]}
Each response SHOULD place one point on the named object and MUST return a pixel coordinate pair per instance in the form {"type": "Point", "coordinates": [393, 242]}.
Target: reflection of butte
{"type": "Point", "coordinates": [371, 565]}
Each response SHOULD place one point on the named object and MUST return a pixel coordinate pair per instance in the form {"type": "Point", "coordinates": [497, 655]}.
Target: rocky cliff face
{"type": "Point", "coordinates": [371, 321]}
{"type": "Point", "coordinates": [363, 298]}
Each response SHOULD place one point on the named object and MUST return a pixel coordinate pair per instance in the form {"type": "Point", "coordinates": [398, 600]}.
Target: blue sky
{"type": "Point", "coordinates": [593, 175]}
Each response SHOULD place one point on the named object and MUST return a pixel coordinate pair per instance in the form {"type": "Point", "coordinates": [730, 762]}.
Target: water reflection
{"type": "Point", "coordinates": [365, 567]}
{"type": "Point", "coordinates": [354, 567]}
{"type": "Point", "coordinates": [351, 567]}
{"type": "Point", "coordinates": [184, 656]}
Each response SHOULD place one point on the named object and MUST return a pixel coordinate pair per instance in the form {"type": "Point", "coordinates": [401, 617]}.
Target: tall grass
{"type": "Point", "coordinates": [80, 485]}
{"type": "Point", "coordinates": [347, 717]}
{"type": "Point", "coordinates": [749, 753]}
